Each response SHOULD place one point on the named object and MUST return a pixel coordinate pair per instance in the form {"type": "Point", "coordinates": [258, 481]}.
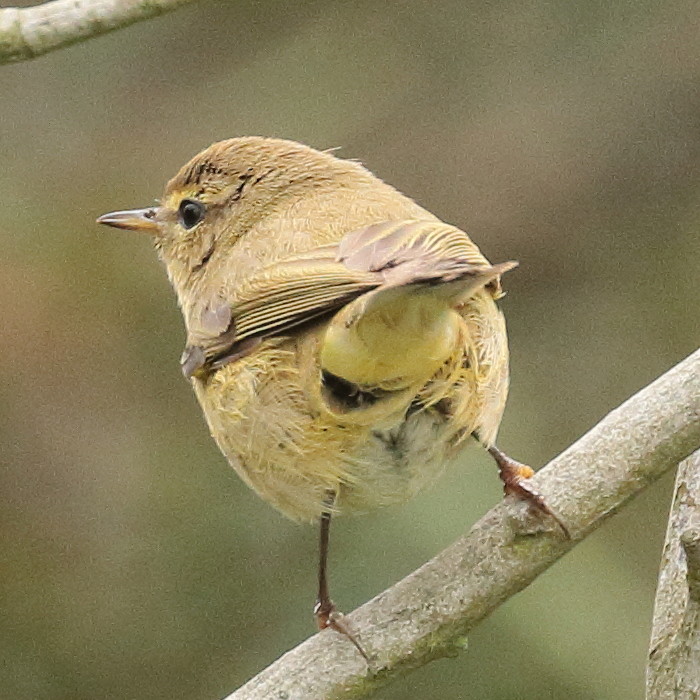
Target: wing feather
{"type": "Point", "coordinates": [303, 287]}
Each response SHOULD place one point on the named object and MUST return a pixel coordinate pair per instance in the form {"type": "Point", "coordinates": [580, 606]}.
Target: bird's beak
{"type": "Point", "coordinates": [132, 220]}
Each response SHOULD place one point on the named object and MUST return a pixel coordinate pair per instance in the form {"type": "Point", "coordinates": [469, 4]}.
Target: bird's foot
{"type": "Point", "coordinates": [328, 616]}
{"type": "Point", "coordinates": [515, 477]}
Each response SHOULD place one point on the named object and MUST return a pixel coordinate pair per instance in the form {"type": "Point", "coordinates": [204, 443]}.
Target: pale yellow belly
{"type": "Point", "coordinates": [292, 456]}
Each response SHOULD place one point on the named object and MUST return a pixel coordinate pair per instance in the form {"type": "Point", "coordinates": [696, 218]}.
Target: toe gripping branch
{"type": "Point", "coordinates": [515, 477]}
{"type": "Point", "coordinates": [327, 615]}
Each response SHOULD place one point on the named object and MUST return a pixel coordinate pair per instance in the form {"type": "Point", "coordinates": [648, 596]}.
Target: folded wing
{"type": "Point", "coordinates": [305, 287]}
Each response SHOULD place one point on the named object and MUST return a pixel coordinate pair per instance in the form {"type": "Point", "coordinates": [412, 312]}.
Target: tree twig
{"type": "Point", "coordinates": [29, 32]}
{"type": "Point", "coordinates": [427, 614]}
{"type": "Point", "coordinates": [673, 670]}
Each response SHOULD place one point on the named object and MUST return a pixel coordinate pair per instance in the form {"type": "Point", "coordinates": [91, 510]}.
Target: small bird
{"type": "Point", "coordinates": [343, 342]}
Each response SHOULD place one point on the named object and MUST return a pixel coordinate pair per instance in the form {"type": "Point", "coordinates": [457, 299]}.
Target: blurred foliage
{"type": "Point", "coordinates": [564, 135]}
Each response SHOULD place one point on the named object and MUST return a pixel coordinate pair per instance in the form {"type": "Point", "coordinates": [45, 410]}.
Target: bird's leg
{"type": "Point", "coordinates": [325, 611]}
{"type": "Point", "coordinates": [515, 477]}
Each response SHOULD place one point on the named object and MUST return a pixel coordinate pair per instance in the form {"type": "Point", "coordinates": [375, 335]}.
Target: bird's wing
{"type": "Point", "coordinates": [296, 290]}
{"type": "Point", "coordinates": [305, 286]}
{"type": "Point", "coordinates": [277, 298]}
{"type": "Point", "coordinates": [389, 244]}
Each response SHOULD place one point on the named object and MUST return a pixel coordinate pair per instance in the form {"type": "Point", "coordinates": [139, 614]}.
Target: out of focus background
{"type": "Point", "coordinates": [134, 563]}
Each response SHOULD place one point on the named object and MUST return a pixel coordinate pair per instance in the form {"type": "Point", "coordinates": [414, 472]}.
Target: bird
{"type": "Point", "coordinates": [343, 342]}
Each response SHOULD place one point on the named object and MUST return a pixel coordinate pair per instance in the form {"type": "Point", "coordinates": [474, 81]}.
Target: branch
{"type": "Point", "coordinates": [427, 614]}
{"type": "Point", "coordinates": [32, 31]}
{"type": "Point", "coordinates": [673, 671]}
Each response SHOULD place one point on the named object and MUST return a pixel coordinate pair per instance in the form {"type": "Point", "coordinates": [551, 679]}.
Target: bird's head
{"type": "Point", "coordinates": [221, 193]}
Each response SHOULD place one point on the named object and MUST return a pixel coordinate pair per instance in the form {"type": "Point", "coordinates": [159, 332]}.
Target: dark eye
{"type": "Point", "coordinates": [191, 212]}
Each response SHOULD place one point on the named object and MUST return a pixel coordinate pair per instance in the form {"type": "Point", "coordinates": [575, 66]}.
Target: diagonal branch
{"type": "Point", "coordinates": [29, 32]}
{"type": "Point", "coordinates": [427, 614]}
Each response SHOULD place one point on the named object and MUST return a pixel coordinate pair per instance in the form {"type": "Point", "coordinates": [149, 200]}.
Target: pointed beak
{"type": "Point", "coordinates": [132, 220]}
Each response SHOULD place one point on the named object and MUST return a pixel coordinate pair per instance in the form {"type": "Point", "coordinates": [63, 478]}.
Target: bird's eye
{"type": "Point", "coordinates": [191, 212]}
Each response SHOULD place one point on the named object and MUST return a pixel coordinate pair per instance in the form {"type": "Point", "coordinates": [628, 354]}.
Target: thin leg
{"type": "Point", "coordinates": [325, 611]}
{"type": "Point", "coordinates": [514, 476]}
{"type": "Point", "coordinates": [324, 605]}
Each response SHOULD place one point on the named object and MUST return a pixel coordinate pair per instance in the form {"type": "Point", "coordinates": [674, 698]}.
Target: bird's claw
{"type": "Point", "coordinates": [329, 617]}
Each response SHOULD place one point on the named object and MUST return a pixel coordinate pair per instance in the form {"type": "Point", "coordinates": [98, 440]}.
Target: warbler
{"type": "Point", "coordinates": [342, 341]}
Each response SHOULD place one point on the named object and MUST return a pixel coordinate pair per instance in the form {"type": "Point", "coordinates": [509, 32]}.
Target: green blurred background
{"type": "Point", "coordinates": [134, 563]}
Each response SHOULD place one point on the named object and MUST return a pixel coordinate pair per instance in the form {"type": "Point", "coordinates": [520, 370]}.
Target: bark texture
{"type": "Point", "coordinates": [673, 671]}
{"type": "Point", "coordinates": [29, 32]}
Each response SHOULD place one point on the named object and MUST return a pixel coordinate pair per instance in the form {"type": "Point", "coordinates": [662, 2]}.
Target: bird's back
{"type": "Point", "coordinates": [295, 432]}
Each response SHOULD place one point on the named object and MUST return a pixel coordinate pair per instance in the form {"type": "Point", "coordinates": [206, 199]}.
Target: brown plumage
{"type": "Point", "coordinates": [342, 341]}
